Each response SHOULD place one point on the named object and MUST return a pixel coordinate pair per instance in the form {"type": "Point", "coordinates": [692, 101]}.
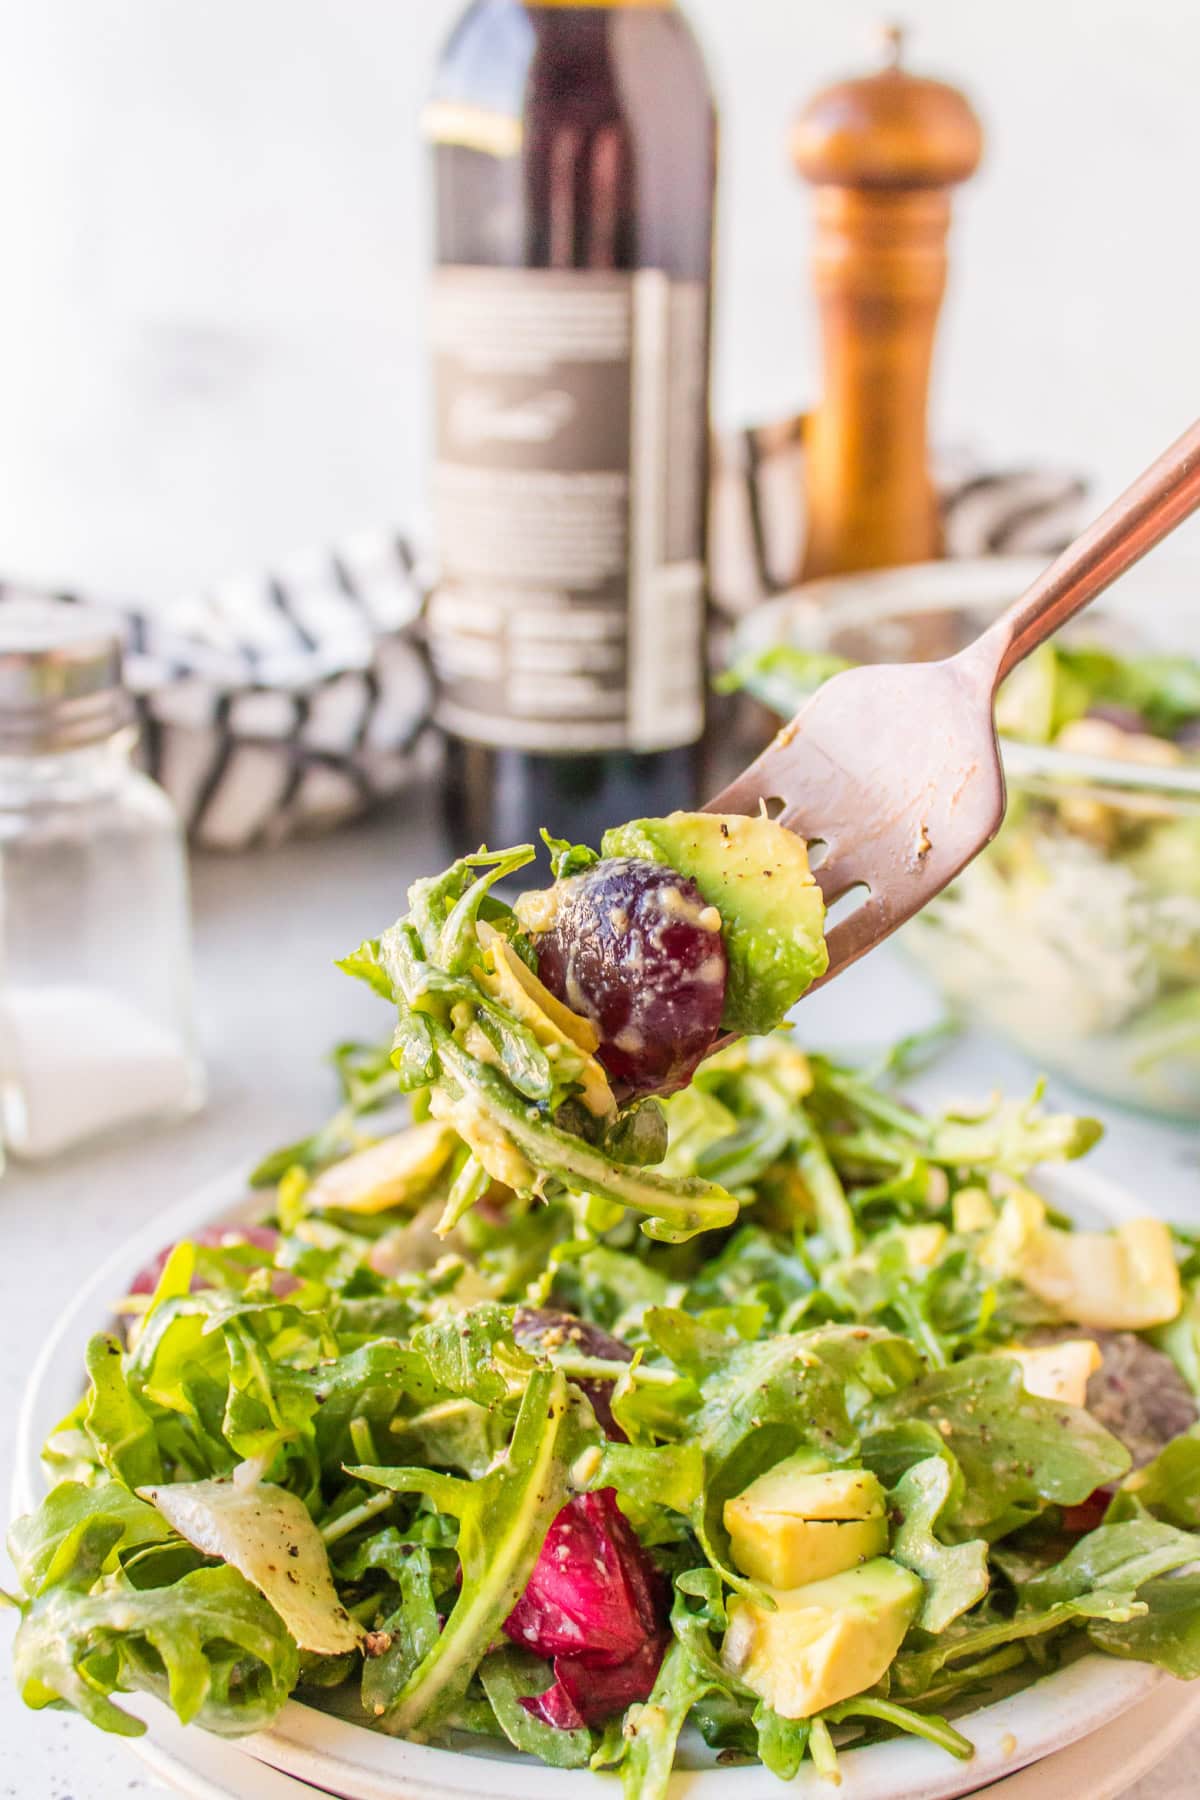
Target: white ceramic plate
{"type": "Point", "coordinates": [1102, 1766]}
{"type": "Point", "coordinates": [347, 1760]}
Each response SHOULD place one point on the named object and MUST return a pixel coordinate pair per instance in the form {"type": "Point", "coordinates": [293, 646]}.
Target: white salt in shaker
{"type": "Point", "coordinates": [96, 1029]}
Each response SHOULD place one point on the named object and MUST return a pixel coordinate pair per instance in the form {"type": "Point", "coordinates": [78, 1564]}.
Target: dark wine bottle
{"type": "Point", "coordinates": [574, 153]}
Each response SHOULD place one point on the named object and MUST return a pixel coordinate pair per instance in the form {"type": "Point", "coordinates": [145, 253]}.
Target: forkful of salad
{"type": "Point", "coordinates": [891, 775]}
{"type": "Point", "coordinates": [538, 1031]}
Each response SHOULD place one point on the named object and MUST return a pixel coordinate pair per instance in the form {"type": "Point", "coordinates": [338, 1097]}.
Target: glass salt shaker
{"type": "Point", "coordinates": [96, 1027]}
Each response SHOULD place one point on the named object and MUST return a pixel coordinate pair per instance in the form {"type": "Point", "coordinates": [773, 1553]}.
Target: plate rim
{"type": "Point", "coordinates": [1066, 1705]}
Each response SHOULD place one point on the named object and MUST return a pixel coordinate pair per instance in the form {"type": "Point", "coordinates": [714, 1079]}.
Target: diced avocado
{"type": "Point", "coordinates": [1121, 1280]}
{"type": "Point", "coordinates": [397, 1171]}
{"type": "Point", "coordinates": [923, 1244]}
{"type": "Point", "coordinates": [1058, 1371]}
{"type": "Point", "coordinates": [803, 1521]}
{"type": "Point", "coordinates": [787, 1553]}
{"type": "Point", "coordinates": [973, 1210]}
{"type": "Point", "coordinates": [808, 1492]}
{"type": "Point", "coordinates": [757, 876]}
{"type": "Point", "coordinates": [825, 1641]}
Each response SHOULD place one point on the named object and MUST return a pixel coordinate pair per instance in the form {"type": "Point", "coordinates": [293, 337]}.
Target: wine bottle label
{"type": "Point", "coordinates": [571, 423]}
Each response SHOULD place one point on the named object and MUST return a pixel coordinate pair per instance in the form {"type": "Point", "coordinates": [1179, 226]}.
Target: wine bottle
{"type": "Point", "coordinates": [574, 154]}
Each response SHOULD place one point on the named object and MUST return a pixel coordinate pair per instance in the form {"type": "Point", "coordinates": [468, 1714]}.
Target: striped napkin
{"type": "Point", "coordinates": [298, 699]}
{"type": "Point", "coordinates": [286, 702]}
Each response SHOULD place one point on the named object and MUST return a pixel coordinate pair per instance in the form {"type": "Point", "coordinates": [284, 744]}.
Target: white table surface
{"type": "Point", "coordinates": [268, 928]}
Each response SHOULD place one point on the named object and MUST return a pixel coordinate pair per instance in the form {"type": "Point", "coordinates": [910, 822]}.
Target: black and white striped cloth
{"type": "Point", "coordinates": [298, 699]}
{"type": "Point", "coordinates": [287, 702]}
{"type": "Point", "coordinates": [757, 519]}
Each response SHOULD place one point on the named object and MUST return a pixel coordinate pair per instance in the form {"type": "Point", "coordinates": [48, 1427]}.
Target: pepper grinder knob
{"type": "Point", "coordinates": [882, 152]}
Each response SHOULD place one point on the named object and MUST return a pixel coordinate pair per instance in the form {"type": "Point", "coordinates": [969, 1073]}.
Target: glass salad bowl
{"type": "Point", "coordinates": [1077, 934]}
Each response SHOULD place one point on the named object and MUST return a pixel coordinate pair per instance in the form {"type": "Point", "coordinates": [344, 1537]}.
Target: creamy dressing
{"type": "Point", "coordinates": [677, 905]}
{"type": "Point", "coordinates": [538, 910]}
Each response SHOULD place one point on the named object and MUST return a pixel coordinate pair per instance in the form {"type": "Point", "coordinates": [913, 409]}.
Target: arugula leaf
{"type": "Point", "coordinates": [664, 1475]}
{"type": "Point", "coordinates": [782, 1743]}
{"type": "Point", "coordinates": [1114, 1559]}
{"type": "Point", "coordinates": [47, 1546]}
{"type": "Point", "coordinates": [968, 1643]}
{"type": "Point", "coordinates": [864, 1127]}
{"type": "Point", "coordinates": [511, 1674]}
{"type": "Point", "coordinates": [119, 1426]}
{"type": "Point", "coordinates": [566, 858]}
{"type": "Point", "coordinates": [1012, 1136]}
{"type": "Point", "coordinates": [753, 1266]}
{"type": "Point", "coordinates": [1165, 1631]}
{"type": "Point", "coordinates": [502, 1520]}
{"type": "Point", "coordinates": [611, 1287]}
{"type": "Point", "coordinates": [1017, 1453]}
{"type": "Point", "coordinates": [652, 1730]}
{"type": "Point", "coordinates": [1168, 1487]}
{"type": "Point", "coordinates": [955, 1575]}
{"type": "Point", "coordinates": [931, 1727]}
{"type": "Point", "coordinates": [207, 1643]}
{"type": "Point", "coordinates": [408, 1634]}
{"type": "Point", "coordinates": [675, 1209]}
{"type": "Point", "coordinates": [363, 964]}
{"type": "Point", "coordinates": [471, 1354]}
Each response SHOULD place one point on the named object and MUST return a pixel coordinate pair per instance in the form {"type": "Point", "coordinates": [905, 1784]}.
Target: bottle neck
{"type": "Point", "coordinates": [43, 778]}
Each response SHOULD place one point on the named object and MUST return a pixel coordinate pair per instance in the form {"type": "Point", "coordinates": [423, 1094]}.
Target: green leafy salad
{"type": "Point", "coordinates": [606, 1372]}
{"type": "Point", "coordinates": [1078, 932]}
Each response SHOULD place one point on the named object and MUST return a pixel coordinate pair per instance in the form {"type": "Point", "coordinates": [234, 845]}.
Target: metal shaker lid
{"type": "Point", "coordinates": [60, 678]}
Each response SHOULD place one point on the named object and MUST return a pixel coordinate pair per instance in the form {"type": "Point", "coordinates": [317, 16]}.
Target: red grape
{"type": "Point", "coordinates": [545, 1328]}
{"type": "Point", "coordinates": [633, 947]}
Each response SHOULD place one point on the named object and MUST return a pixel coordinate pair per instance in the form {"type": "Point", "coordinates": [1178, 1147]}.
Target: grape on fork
{"type": "Point", "coordinates": [634, 948]}
{"type": "Point", "coordinates": [892, 771]}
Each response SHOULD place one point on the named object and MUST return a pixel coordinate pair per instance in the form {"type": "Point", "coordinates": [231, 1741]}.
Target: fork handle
{"type": "Point", "coordinates": [1154, 505]}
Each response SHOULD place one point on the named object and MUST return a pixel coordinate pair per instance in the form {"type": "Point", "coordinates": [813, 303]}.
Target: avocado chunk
{"type": "Point", "coordinates": [757, 876]}
{"type": "Point", "coordinates": [799, 1523]}
{"type": "Point", "coordinates": [973, 1210]}
{"type": "Point", "coordinates": [1121, 1280]}
{"type": "Point", "coordinates": [1058, 1371]}
{"type": "Point", "coordinates": [824, 1641]}
{"type": "Point", "coordinates": [397, 1171]}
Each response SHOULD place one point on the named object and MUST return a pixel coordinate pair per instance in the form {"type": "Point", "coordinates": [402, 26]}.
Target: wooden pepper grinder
{"type": "Point", "coordinates": [882, 152]}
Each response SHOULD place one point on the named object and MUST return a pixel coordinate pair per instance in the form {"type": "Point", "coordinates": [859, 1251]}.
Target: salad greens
{"type": "Point", "coordinates": [447, 1440]}
{"type": "Point", "coordinates": [1078, 932]}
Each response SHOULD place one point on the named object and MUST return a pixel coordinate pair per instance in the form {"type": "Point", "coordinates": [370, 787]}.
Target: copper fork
{"type": "Point", "coordinates": [894, 769]}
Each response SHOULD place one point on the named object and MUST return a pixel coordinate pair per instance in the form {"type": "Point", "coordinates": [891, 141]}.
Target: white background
{"type": "Point", "coordinates": [213, 227]}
